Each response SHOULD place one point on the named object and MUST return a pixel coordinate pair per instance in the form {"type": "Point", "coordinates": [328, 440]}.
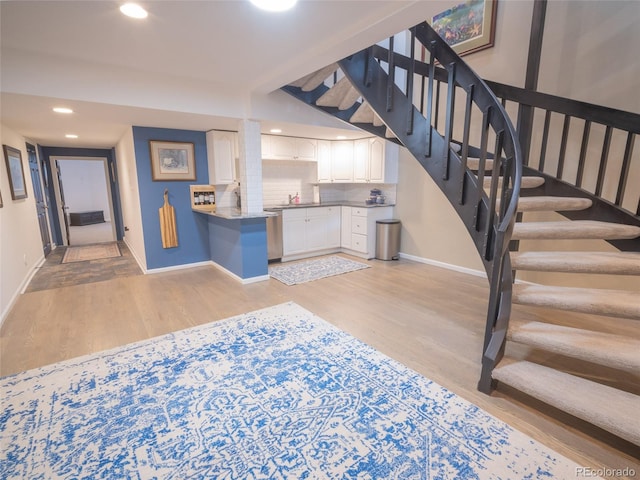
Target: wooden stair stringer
{"type": "Point", "coordinates": [606, 407]}
{"type": "Point", "coordinates": [595, 301]}
{"type": "Point", "coordinates": [615, 351]}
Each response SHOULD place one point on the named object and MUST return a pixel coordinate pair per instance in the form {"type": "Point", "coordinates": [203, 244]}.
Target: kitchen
{"type": "Point", "coordinates": [318, 196]}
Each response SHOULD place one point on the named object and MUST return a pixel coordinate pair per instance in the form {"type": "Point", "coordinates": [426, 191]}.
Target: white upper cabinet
{"type": "Point", "coordinates": [222, 152]}
{"type": "Point", "coordinates": [342, 161]}
{"type": "Point", "coordinates": [369, 160]}
{"type": "Point", "coordinates": [276, 147]}
{"type": "Point", "coordinates": [324, 161]}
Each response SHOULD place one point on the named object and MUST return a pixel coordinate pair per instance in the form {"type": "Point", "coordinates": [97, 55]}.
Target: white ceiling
{"type": "Point", "coordinates": [190, 65]}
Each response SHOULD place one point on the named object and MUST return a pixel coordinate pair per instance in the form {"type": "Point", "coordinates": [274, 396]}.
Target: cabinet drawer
{"type": "Point", "coordinates": [359, 212]}
{"type": "Point", "coordinates": [359, 242]}
{"type": "Point", "coordinates": [359, 225]}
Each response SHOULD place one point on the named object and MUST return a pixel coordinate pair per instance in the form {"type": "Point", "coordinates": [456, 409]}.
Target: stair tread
{"type": "Point", "coordinates": [333, 96]}
{"type": "Point", "coordinates": [473, 163]}
{"type": "Point", "coordinates": [578, 229]}
{"type": "Point", "coordinates": [527, 182]}
{"type": "Point", "coordinates": [364, 114]}
{"type": "Point", "coordinates": [317, 78]}
{"type": "Point", "coordinates": [551, 203]}
{"type": "Point", "coordinates": [349, 99]}
{"type": "Point", "coordinates": [614, 351]}
{"type": "Point", "coordinates": [614, 303]}
{"type": "Point", "coordinates": [606, 407]}
{"type": "Point", "coordinates": [620, 263]}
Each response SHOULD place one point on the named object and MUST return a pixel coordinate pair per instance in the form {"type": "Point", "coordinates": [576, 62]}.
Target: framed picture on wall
{"type": "Point", "coordinates": [171, 161]}
{"type": "Point", "coordinates": [467, 27]}
{"type": "Point", "coordinates": [15, 172]}
{"type": "Point", "coordinates": [0, 199]}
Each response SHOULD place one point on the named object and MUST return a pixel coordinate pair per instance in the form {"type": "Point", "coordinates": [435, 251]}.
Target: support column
{"type": "Point", "coordinates": [250, 166]}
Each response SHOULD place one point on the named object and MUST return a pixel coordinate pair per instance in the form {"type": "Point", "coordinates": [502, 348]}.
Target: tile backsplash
{"type": "Point", "coordinates": [281, 178]}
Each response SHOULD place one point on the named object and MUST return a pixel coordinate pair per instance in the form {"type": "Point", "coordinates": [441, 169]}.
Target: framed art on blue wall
{"type": "Point", "coordinates": [467, 27]}
{"type": "Point", "coordinates": [172, 161]}
{"type": "Point", "coordinates": [15, 172]}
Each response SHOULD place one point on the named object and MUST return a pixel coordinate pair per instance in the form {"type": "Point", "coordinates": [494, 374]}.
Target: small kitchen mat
{"type": "Point", "coordinates": [91, 252]}
{"type": "Point", "coordinates": [316, 269]}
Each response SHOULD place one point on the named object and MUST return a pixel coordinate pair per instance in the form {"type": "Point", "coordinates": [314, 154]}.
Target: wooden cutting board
{"type": "Point", "coordinates": [168, 223]}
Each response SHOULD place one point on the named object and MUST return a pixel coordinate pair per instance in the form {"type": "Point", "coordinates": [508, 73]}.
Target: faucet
{"type": "Point", "coordinates": [290, 199]}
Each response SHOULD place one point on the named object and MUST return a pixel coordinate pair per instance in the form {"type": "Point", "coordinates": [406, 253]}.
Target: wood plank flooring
{"type": "Point", "coordinates": [428, 318]}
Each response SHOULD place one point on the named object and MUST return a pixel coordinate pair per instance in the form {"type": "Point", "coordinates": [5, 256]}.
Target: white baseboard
{"type": "Point", "coordinates": [151, 271]}
{"type": "Point", "coordinates": [23, 286]}
{"type": "Point", "coordinates": [448, 266]}
{"type": "Point", "coordinates": [135, 256]}
{"type": "Point", "coordinates": [244, 281]}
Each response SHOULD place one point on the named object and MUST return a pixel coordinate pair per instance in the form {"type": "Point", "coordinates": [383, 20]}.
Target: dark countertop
{"type": "Point", "coordinates": [329, 204]}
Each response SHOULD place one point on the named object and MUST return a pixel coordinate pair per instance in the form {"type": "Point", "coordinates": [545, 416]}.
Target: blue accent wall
{"type": "Point", "coordinates": [240, 246]}
{"type": "Point", "coordinates": [192, 228]}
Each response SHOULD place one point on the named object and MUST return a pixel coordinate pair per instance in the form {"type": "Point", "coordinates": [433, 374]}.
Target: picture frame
{"type": "Point", "coordinates": [172, 161]}
{"type": "Point", "coordinates": [467, 27]}
{"type": "Point", "coordinates": [15, 172]}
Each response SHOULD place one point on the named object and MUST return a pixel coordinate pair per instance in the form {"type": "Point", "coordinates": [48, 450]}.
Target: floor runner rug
{"type": "Point", "coordinates": [91, 252]}
{"type": "Point", "coordinates": [274, 394]}
{"type": "Point", "coordinates": [310, 270]}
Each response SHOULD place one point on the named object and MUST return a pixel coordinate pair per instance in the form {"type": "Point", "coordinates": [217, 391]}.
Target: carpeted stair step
{"type": "Point", "coordinates": [613, 303]}
{"type": "Point", "coordinates": [578, 229]}
{"type": "Point", "coordinates": [342, 95]}
{"type": "Point", "coordinates": [527, 182]}
{"type": "Point", "coordinates": [618, 263]}
{"type": "Point", "coordinates": [364, 114]}
{"type": "Point", "coordinates": [553, 204]}
{"type": "Point", "coordinates": [601, 348]}
{"type": "Point", "coordinates": [608, 408]}
{"type": "Point", "coordinates": [474, 164]}
{"type": "Point", "coordinates": [315, 79]}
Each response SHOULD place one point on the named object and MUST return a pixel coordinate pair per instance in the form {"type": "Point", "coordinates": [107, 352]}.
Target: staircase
{"type": "Point", "coordinates": [482, 171]}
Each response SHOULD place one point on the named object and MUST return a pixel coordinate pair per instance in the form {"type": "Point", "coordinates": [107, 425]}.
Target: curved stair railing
{"type": "Point", "coordinates": [459, 132]}
{"type": "Point", "coordinates": [399, 97]}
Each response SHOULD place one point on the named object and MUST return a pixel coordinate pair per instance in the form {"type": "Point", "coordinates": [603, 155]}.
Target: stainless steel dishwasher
{"type": "Point", "coordinates": [274, 235]}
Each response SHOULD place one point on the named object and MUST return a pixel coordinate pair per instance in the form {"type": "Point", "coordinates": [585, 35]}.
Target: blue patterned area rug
{"type": "Point", "coordinates": [274, 394]}
{"type": "Point", "coordinates": [309, 270]}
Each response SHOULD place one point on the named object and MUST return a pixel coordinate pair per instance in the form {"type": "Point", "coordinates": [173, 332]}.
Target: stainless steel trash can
{"type": "Point", "coordinates": [388, 239]}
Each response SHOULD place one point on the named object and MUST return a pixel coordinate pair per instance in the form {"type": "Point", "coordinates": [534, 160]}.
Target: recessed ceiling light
{"type": "Point", "coordinates": [62, 110]}
{"type": "Point", "coordinates": [274, 5]}
{"type": "Point", "coordinates": [276, 130]}
{"type": "Point", "coordinates": [341, 137]}
{"type": "Point", "coordinates": [71, 135]}
{"type": "Point", "coordinates": [133, 10]}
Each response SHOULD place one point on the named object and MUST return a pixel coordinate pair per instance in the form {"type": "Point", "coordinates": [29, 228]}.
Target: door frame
{"type": "Point", "coordinates": [56, 187]}
{"type": "Point", "coordinates": [39, 193]}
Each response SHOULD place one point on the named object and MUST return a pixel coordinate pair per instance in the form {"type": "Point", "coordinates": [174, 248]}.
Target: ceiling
{"type": "Point", "coordinates": [196, 65]}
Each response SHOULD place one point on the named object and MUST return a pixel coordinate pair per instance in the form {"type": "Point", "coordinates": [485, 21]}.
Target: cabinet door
{"type": "Point", "coordinates": [333, 227]}
{"type": "Point", "coordinates": [317, 228]}
{"type": "Point", "coordinates": [222, 153]}
{"type": "Point", "coordinates": [361, 160]}
{"type": "Point", "coordinates": [306, 149]}
{"type": "Point", "coordinates": [376, 160]}
{"type": "Point", "coordinates": [283, 148]}
{"type": "Point", "coordinates": [342, 161]}
{"type": "Point", "coordinates": [294, 226]}
{"type": "Point", "coordinates": [324, 161]}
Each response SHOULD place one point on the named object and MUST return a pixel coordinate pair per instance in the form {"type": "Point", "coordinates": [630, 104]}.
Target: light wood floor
{"type": "Point", "coordinates": [428, 318]}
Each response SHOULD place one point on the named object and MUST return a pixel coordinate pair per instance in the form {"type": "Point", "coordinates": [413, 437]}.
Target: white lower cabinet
{"type": "Point", "coordinates": [307, 230]}
{"type": "Point", "coordinates": [319, 230]}
{"type": "Point", "coordinates": [363, 229]}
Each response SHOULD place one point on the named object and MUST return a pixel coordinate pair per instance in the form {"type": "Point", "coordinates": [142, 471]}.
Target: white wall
{"type": "Point", "coordinates": [20, 245]}
{"type": "Point", "coordinates": [85, 186]}
{"type": "Point", "coordinates": [130, 198]}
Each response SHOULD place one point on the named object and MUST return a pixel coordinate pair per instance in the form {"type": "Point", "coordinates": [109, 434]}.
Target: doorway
{"type": "Point", "coordinates": [83, 195]}
{"type": "Point", "coordinates": [41, 203]}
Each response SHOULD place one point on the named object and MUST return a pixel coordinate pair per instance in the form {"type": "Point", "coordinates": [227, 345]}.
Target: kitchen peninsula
{"type": "Point", "coordinates": [238, 242]}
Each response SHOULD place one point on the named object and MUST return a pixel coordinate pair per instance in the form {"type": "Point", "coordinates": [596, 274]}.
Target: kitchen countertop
{"type": "Point", "coordinates": [329, 204]}
{"type": "Point", "coordinates": [233, 213]}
